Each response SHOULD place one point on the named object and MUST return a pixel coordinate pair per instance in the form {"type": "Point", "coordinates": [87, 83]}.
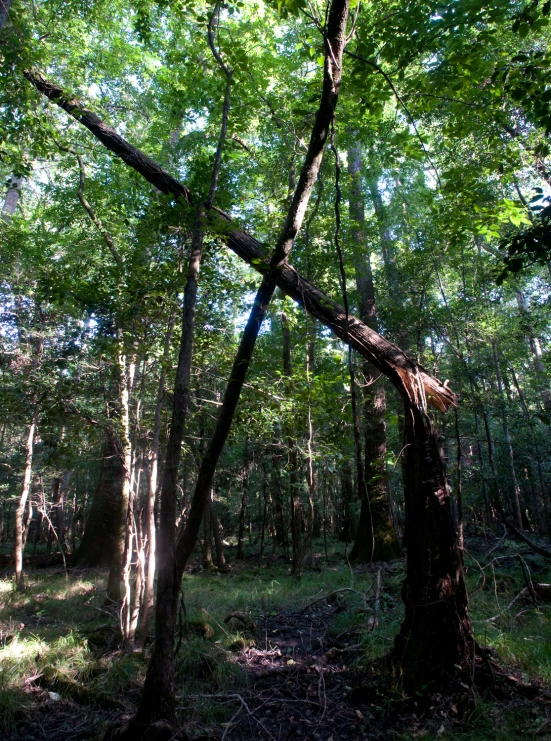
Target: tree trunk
{"type": "Point", "coordinates": [207, 539]}
{"type": "Point", "coordinates": [106, 520]}
{"type": "Point", "coordinates": [216, 531]}
{"type": "Point", "coordinates": [535, 349]}
{"type": "Point", "coordinates": [435, 639]}
{"type": "Point", "coordinates": [4, 10]}
{"type": "Point", "coordinates": [148, 599]}
{"type": "Point", "coordinates": [375, 537]}
{"type": "Point", "coordinates": [515, 488]}
{"type": "Point", "coordinates": [297, 562]}
{"type": "Point", "coordinates": [347, 494]}
{"type": "Point", "coordinates": [157, 700]}
{"type": "Point", "coordinates": [16, 182]}
{"type": "Point", "coordinates": [20, 528]}
{"type": "Point", "coordinates": [243, 511]}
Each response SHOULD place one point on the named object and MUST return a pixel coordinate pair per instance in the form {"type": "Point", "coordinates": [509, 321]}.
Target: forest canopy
{"type": "Point", "coordinates": [275, 309]}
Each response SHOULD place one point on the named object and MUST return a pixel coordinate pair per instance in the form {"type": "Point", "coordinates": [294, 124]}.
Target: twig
{"type": "Point", "coordinates": [500, 541]}
{"type": "Point", "coordinates": [336, 591]}
{"type": "Point", "coordinates": [398, 97]}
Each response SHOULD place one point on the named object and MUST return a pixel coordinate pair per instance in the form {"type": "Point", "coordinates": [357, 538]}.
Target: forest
{"type": "Point", "coordinates": [275, 377]}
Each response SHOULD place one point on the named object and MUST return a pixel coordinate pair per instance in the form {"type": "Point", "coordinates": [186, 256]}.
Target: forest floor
{"type": "Point", "coordinates": [266, 656]}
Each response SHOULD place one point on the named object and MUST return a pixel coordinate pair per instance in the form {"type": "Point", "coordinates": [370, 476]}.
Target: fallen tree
{"type": "Point", "coordinates": [413, 382]}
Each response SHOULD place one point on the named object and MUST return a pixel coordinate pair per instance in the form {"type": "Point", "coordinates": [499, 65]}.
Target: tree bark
{"type": "Point", "coordinates": [216, 531]}
{"type": "Point", "coordinates": [158, 699]}
{"type": "Point", "coordinates": [515, 488]}
{"type": "Point", "coordinates": [16, 182]}
{"type": "Point", "coordinates": [104, 525]}
{"type": "Point", "coordinates": [148, 599]}
{"type": "Point", "coordinates": [20, 529]}
{"type": "Point", "coordinates": [435, 640]}
{"type": "Point", "coordinates": [297, 561]}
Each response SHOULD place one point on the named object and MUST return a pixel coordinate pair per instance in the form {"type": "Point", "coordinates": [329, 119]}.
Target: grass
{"type": "Point", "coordinates": [51, 630]}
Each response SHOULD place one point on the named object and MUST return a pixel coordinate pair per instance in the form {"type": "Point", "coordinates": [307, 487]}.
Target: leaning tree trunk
{"type": "Point", "coordinates": [435, 639]}
{"type": "Point", "coordinates": [158, 701]}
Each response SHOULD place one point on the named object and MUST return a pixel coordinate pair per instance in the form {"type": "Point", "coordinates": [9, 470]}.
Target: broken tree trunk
{"type": "Point", "coordinates": [435, 639]}
{"type": "Point", "coordinates": [402, 371]}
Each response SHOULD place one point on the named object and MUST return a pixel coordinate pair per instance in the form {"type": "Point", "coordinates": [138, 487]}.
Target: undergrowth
{"type": "Point", "coordinates": [50, 653]}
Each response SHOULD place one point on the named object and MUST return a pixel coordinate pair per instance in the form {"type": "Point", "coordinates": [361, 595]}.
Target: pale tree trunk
{"type": "Point", "coordinates": [121, 443]}
{"type": "Point", "coordinates": [14, 187]}
{"type": "Point", "coordinates": [515, 488]}
{"type": "Point", "coordinates": [535, 349]}
{"type": "Point", "coordinates": [158, 698]}
{"type": "Point", "coordinates": [243, 509]}
{"type": "Point", "coordinates": [157, 702]}
{"type": "Point", "coordinates": [20, 528]}
{"type": "Point", "coordinates": [148, 598]}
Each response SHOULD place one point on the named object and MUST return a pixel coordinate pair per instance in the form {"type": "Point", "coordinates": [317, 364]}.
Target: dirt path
{"type": "Point", "coordinates": [298, 683]}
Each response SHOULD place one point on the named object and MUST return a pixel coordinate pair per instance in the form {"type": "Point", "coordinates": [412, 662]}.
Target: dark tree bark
{"type": "Point", "coordinates": [347, 491]}
{"type": "Point", "coordinates": [106, 520]}
{"type": "Point", "coordinates": [435, 640]}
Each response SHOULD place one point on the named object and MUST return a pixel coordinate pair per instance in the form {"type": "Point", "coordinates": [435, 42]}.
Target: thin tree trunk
{"type": "Point", "coordinates": [292, 462]}
{"type": "Point", "coordinates": [207, 539]}
{"type": "Point", "coordinates": [20, 529]}
{"type": "Point", "coordinates": [158, 698]}
{"type": "Point", "coordinates": [216, 531]}
{"type": "Point", "coordinates": [515, 488]}
{"type": "Point", "coordinates": [243, 510]}
{"type": "Point", "coordinates": [158, 695]}
{"type": "Point", "coordinates": [121, 443]}
{"type": "Point", "coordinates": [16, 181]}
{"type": "Point", "coordinates": [148, 600]}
